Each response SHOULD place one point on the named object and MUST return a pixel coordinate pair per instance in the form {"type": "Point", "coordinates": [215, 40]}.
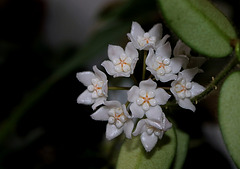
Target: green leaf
{"type": "Point", "coordinates": [182, 149]}
{"type": "Point", "coordinates": [229, 115]}
{"type": "Point", "coordinates": [133, 155]}
{"type": "Point", "coordinates": [200, 25]}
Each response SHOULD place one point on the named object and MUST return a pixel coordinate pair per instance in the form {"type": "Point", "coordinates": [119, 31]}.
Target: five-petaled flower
{"type": "Point", "coordinates": [146, 98]}
{"type": "Point", "coordinates": [151, 130]}
{"type": "Point", "coordinates": [122, 63]}
{"type": "Point", "coordinates": [184, 89]}
{"type": "Point", "coordinates": [145, 40]}
{"type": "Point", "coordinates": [162, 66]}
{"type": "Point", "coordinates": [118, 119]}
{"type": "Point", "coordinates": [97, 89]}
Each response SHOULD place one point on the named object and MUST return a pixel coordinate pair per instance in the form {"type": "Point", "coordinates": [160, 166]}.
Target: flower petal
{"type": "Point", "coordinates": [137, 111]}
{"type": "Point", "coordinates": [85, 98]}
{"type": "Point", "coordinates": [188, 74]}
{"type": "Point", "coordinates": [154, 113]}
{"type": "Point", "coordinates": [140, 127]}
{"type": "Point", "coordinates": [148, 141]}
{"type": "Point", "coordinates": [161, 96]}
{"type": "Point", "coordinates": [99, 74]}
{"type": "Point", "coordinates": [148, 85]}
{"type": "Point", "coordinates": [98, 102]}
{"type": "Point", "coordinates": [85, 77]}
{"type": "Point", "coordinates": [162, 41]}
{"type": "Point", "coordinates": [177, 63]}
{"type": "Point", "coordinates": [149, 59]}
{"type": "Point", "coordinates": [112, 131]}
{"type": "Point", "coordinates": [114, 52]}
{"type": "Point", "coordinates": [166, 77]}
{"type": "Point", "coordinates": [112, 104]}
{"type": "Point", "coordinates": [128, 127]}
{"type": "Point", "coordinates": [181, 49]}
{"type": "Point", "coordinates": [196, 89]}
{"type": "Point", "coordinates": [156, 31]}
{"type": "Point", "coordinates": [186, 104]}
{"type": "Point", "coordinates": [133, 94]}
{"type": "Point", "coordinates": [164, 51]}
{"type": "Point", "coordinates": [109, 67]}
{"type": "Point", "coordinates": [136, 30]}
{"type": "Point", "coordinates": [131, 51]}
{"type": "Point", "coordinates": [101, 114]}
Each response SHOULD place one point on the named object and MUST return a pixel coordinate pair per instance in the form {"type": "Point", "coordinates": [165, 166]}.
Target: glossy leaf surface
{"type": "Point", "coordinates": [133, 155]}
{"type": "Point", "coordinates": [200, 25]}
{"type": "Point", "coordinates": [229, 115]}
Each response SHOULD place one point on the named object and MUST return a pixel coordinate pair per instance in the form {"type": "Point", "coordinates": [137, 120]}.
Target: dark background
{"type": "Point", "coordinates": [53, 131]}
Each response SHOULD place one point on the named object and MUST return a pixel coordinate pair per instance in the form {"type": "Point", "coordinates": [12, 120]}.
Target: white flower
{"type": "Point", "coordinates": [118, 119]}
{"type": "Point", "coordinates": [97, 88]}
{"type": "Point", "coordinates": [181, 49]}
{"type": "Point", "coordinates": [145, 40]}
{"type": "Point", "coordinates": [184, 89]}
{"type": "Point", "coordinates": [162, 66]}
{"type": "Point", "coordinates": [122, 63]}
{"type": "Point", "coordinates": [146, 99]}
{"type": "Point", "coordinates": [151, 130]}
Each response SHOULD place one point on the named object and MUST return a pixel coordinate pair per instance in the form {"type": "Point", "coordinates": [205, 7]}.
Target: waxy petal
{"type": "Point", "coordinates": [131, 51]}
{"type": "Point", "coordinates": [99, 74]}
{"type": "Point", "coordinates": [148, 141]}
{"type": "Point", "coordinates": [137, 111]}
{"type": "Point", "coordinates": [85, 98]}
{"type": "Point", "coordinates": [114, 52]}
{"type": "Point", "coordinates": [128, 127]}
{"type": "Point", "coordinates": [156, 31]}
{"type": "Point", "coordinates": [186, 104]}
{"type": "Point", "coordinates": [164, 51]}
{"type": "Point", "coordinates": [133, 94]}
{"type": "Point", "coordinates": [85, 77]}
{"type": "Point", "coordinates": [188, 74]}
{"type": "Point", "coordinates": [101, 114]}
{"type": "Point", "coordinates": [155, 113]}
{"type": "Point", "coordinates": [161, 96]}
{"type": "Point", "coordinates": [109, 67]}
{"type": "Point", "coordinates": [112, 131]}
{"type": "Point", "coordinates": [98, 102]}
{"type": "Point", "coordinates": [140, 128]}
{"type": "Point", "coordinates": [148, 85]}
{"type": "Point", "coordinates": [196, 89]}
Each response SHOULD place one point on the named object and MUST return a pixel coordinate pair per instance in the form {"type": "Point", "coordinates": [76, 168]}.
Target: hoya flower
{"type": "Point", "coordinates": [151, 130]}
{"type": "Point", "coordinates": [146, 99]}
{"type": "Point", "coordinates": [118, 119]}
{"type": "Point", "coordinates": [122, 63]}
{"type": "Point", "coordinates": [181, 49]}
{"type": "Point", "coordinates": [145, 40]}
{"type": "Point", "coordinates": [97, 89]}
{"type": "Point", "coordinates": [162, 66]}
{"type": "Point", "coordinates": [184, 89]}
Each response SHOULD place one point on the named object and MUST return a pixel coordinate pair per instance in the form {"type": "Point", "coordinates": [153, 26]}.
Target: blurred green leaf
{"type": "Point", "coordinates": [110, 33]}
{"type": "Point", "coordinates": [229, 115]}
{"type": "Point", "coordinates": [133, 155]}
{"type": "Point", "coordinates": [200, 25]}
{"type": "Point", "coordinates": [182, 149]}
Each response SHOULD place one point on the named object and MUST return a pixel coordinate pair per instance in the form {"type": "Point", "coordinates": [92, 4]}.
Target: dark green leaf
{"type": "Point", "coordinates": [229, 115]}
{"type": "Point", "coordinates": [200, 25]}
{"type": "Point", "coordinates": [182, 149]}
{"type": "Point", "coordinates": [133, 155]}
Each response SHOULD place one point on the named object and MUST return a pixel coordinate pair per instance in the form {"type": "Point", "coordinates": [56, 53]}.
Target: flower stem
{"type": "Point", "coordinates": [118, 88]}
{"type": "Point", "coordinates": [144, 64]}
{"type": "Point", "coordinates": [215, 81]}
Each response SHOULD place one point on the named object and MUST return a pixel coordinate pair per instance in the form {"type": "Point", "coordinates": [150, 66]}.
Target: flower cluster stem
{"type": "Point", "coordinates": [144, 64]}
{"type": "Point", "coordinates": [118, 88]}
{"type": "Point", "coordinates": [215, 82]}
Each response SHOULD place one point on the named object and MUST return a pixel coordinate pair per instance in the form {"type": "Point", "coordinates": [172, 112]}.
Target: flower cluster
{"type": "Point", "coordinates": [143, 107]}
